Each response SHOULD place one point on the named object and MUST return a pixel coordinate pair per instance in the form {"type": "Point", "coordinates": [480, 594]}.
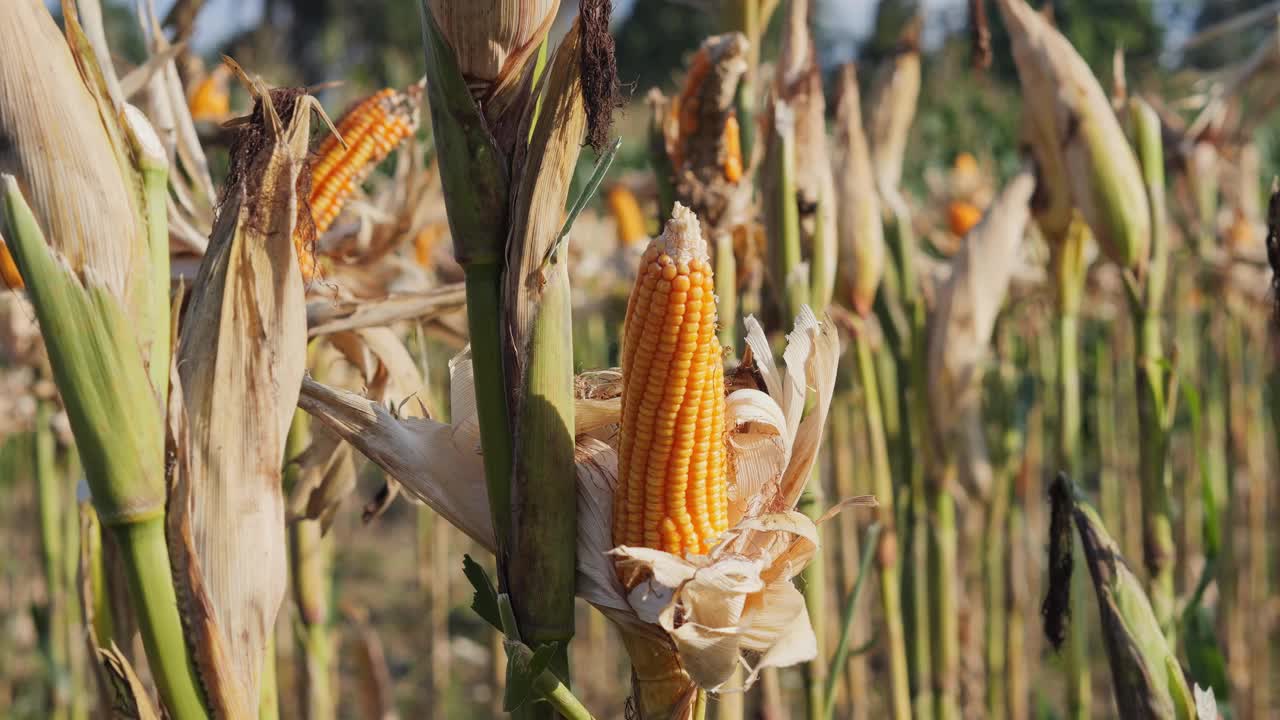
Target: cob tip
{"type": "Point", "coordinates": [682, 238]}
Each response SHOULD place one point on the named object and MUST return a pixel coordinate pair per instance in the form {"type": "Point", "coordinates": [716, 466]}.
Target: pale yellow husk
{"type": "Point", "coordinates": [1072, 118]}
{"type": "Point", "coordinates": [55, 139]}
{"type": "Point", "coordinates": [893, 108]}
{"type": "Point", "coordinates": [861, 230]}
{"type": "Point", "coordinates": [493, 39]}
{"type": "Point", "coordinates": [241, 358]}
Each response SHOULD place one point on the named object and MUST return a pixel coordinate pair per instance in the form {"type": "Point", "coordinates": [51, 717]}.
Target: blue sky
{"type": "Point", "coordinates": [221, 18]}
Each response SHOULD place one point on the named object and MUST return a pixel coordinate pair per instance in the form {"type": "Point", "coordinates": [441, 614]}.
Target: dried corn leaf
{"type": "Point", "coordinates": [860, 228]}
{"type": "Point", "coordinates": [969, 300]}
{"type": "Point", "coordinates": [242, 355]}
{"type": "Point", "coordinates": [129, 697]}
{"type": "Point", "coordinates": [893, 109]}
{"type": "Point", "coordinates": [54, 137]}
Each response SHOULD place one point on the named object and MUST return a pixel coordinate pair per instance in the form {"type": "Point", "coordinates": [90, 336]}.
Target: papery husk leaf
{"type": "Point", "coordinates": [327, 316]}
{"type": "Point", "coordinates": [760, 444]}
{"type": "Point", "coordinates": [55, 142]}
{"type": "Point", "coordinates": [812, 356]}
{"type": "Point", "coordinates": [968, 302]}
{"type": "Point", "coordinates": [223, 691]}
{"type": "Point", "coordinates": [1073, 118]}
{"type": "Point", "coordinates": [893, 109]}
{"type": "Point", "coordinates": [242, 356]}
{"type": "Point", "coordinates": [438, 463]}
{"type": "Point", "coordinates": [859, 225]}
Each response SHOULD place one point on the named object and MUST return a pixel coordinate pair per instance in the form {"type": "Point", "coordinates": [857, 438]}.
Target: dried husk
{"type": "Point", "coordinates": [241, 357]}
{"type": "Point", "coordinates": [800, 86]}
{"type": "Point", "coordinates": [1071, 117]}
{"type": "Point", "coordinates": [54, 139]}
{"type": "Point", "coordinates": [494, 43]}
{"type": "Point", "coordinates": [893, 109]}
{"type": "Point", "coordinates": [861, 230]}
{"type": "Point", "coordinates": [968, 302]}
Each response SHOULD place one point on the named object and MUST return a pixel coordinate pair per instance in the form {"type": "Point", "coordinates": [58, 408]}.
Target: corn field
{"type": "Point", "coordinates": [939, 379]}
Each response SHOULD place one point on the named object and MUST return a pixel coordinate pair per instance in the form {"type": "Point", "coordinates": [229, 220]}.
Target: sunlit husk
{"type": "Point", "coordinates": [893, 109]}
{"type": "Point", "coordinates": [493, 40]}
{"type": "Point", "coordinates": [861, 230]}
{"type": "Point", "coordinates": [1071, 117]}
{"type": "Point", "coordinates": [54, 133]}
{"type": "Point", "coordinates": [241, 357]}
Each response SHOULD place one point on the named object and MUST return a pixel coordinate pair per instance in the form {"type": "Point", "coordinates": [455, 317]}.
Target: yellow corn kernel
{"type": "Point", "coordinates": [372, 128]}
{"type": "Point", "coordinates": [672, 471]}
{"type": "Point", "coordinates": [9, 270]}
{"type": "Point", "coordinates": [732, 149]}
{"type": "Point", "coordinates": [626, 213]}
{"type": "Point", "coordinates": [424, 244]}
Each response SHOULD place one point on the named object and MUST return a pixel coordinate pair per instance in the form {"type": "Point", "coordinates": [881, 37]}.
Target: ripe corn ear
{"type": "Point", "coordinates": [627, 214]}
{"type": "Point", "coordinates": [672, 469]}
{"type": "Point", "coordinates": [372, 128]}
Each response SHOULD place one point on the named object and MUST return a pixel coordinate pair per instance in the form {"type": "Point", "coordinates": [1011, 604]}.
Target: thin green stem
{"type": "Point", "coordinates": [846, 623]}
{"type": "Point", "coordinates": [156, 605]}
{"type": "Point", "coordinates": [887, 549]}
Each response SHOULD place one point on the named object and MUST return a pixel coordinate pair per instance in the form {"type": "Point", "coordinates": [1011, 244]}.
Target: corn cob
{"type": "Point", "coordinates": [672, 470]}
{"type": "Point", "coordinates": [8, 270]}
{"type": "Point", "coordinates": [372, 128]}
{"type": "Point", "coordinates": [626, 213]}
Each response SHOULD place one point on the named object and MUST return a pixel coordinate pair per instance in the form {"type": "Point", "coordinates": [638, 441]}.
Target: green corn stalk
{"type": "Point", "coordinates": [268, 690]}
{"type": "Point", "coordinates": [116, 418]}
{"type": "Point", "coordinates": [887, 561]}
{"type": "Point", "coordinates": [1069, 272]}
{"type": "Point", "coordinates": [310, 560]}
{"type": "Point", "coordinates": [1155, 385]}
{"type": "Point", "coordinates": [475, 177]}
{"type": "Point", "coordinates": [56, 635]}
{"type": "Point", "coordinates": [902, 315]}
